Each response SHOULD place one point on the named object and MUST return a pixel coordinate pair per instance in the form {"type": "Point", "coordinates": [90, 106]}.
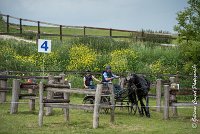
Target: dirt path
{"type": "Point", "coordinates": [8, 37]}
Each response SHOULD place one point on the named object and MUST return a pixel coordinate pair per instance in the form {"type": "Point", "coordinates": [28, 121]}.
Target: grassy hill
{"type": "Point", "coordinates": [30, 28]}
{"type": "Point", "coordinates": [123, 54]}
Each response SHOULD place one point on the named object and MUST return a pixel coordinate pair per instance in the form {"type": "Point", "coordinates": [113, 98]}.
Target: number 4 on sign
{"type": "Point", "coordinates": [44, 46]}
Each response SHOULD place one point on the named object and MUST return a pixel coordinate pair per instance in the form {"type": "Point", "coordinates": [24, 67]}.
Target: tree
{"type": "Point", "coordinates": [188, 28]}
{"type": "Point", "coordinates": [189, 22]}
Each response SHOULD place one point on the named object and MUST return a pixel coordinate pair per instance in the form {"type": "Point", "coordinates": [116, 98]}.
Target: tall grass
{"type": "Point", "coordinates": [146, 54]}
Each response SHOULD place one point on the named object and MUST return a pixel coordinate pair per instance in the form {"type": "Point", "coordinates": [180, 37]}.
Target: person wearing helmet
{"type": "Point", "coordinates": [107, 75]}
{"type": "Point", "coordinates": [88, 80]}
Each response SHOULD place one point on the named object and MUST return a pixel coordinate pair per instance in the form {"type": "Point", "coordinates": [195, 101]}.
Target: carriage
{"type": "Point", "coordinates": [136, 89]}
{"type": "Point", "coordinates": [121, 98]}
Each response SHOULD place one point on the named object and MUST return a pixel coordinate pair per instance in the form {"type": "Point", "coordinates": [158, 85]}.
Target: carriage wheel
{"type": "Point", "coordinates": [105, 100]}
{"type": "Point", "coordinates": [88, 100]}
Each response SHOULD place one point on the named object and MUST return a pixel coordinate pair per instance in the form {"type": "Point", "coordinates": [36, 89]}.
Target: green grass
{"type": "Point", "coordinates": [81, 122]}
{"type": "Point", "coordinates": [31, 29]}
{"type": "Point", "coordinates": [68, 31]}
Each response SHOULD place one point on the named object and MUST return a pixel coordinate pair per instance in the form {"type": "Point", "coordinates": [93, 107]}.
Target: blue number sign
{"type": "Point", "coordinates": [44, 46]}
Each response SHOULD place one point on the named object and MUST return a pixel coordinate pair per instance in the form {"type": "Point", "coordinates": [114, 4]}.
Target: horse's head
{"type": "Point", "coordinates": [131, 78]}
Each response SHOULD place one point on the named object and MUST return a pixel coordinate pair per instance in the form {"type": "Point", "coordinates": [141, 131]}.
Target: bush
{"type": "Point", "coordinates": [190, 54]}
{"type": "Point", "coordinates": [122, 56]}
{"type": "Point", "coordinates": [123, 60]}
{"type": "Point", "coordinates": [81, 58]}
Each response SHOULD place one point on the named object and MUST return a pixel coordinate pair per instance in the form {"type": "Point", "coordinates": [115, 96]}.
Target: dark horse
{"type": "Point", "coordinates": [138, 88]}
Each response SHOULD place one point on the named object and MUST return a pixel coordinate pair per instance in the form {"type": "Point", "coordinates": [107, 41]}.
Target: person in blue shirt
{"type": "Point", "coordinates": [107, 75]}
{"type": "Point", "coordinates": [88, 80]}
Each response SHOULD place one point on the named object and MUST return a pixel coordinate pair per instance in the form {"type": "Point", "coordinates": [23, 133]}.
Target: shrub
{"type": "Point", "coordinates": [123, 60]}
{"type": "Point", "coordinates": [190, 54]}
{"type": "Point", "coordinates": [81, 58]}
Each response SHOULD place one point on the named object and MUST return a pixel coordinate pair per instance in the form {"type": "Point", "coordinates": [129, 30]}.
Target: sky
{"type": "Point", "coordinates": [119, 14]}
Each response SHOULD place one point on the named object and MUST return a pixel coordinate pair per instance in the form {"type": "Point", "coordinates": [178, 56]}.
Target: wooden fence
{"type": "Point", "coordinates": [137, 35]}
{"type": "Point", "coordinates": [65, 105]}
{"type": "Point", "coordinates": [4, 83]}
{"type": "Point", "coordinates": [57, 84]}
{"type": "Point", "coordinates": [171, 91]}
{"type": "Point", "coordinates": [171, 101]}
{"type": "Point", "coordinates": [30, 92]}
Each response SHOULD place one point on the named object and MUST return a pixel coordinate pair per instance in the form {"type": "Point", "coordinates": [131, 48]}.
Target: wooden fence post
{"type": "Point", "coordinates": [84, 30]}
{"type": "Point", "coordinates": [110, 32]}
{"type": "Point", "coordinates": [60, 32]}
{"type": "Point", "coordinates": [41, 108]}
{"type": "Point", "coordinates": [15, 96]}
{"type": "Point", "coordinates": [38, 30]}
{"type": "Point", "coordinates": [158, 94]}
{"type": "Point", "coordinates": [3, 87]}
{"type": "Point", "coordinates": [7, 23]}
{"type": "Point", "coordinates": [96, 106]}
{"type": "Point", "coordinates": [174, 108]}
{"type": "Point", "coordinates": [112, 100]}
{"type": "Point", "coordinates": [62, 80]}
{"type": "Point", "coordinates": [20, 25]}
{"type": "Point", "coordinates": [32, 100]}
{"type": "Point", "coordinates": [66, 110]}
{"type": "Point", "coordinates": [50, 95]}
{"type": "Point", "coordinates": [173, 95]}
{"type": "Point", "coordinates": [66, 96]}
{"type": "Point", "coordinates": [166, 102]}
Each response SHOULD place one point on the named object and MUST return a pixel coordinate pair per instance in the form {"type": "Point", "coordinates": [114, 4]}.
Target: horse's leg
{"type": "Point", "coordinates": [143, 107]}
{"type": "Point", "coordinates": [131, 99]}
{"type": "Point", "coordinates": [141, 111]}
{"type": "Point", "coordinates": [147, 106]}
